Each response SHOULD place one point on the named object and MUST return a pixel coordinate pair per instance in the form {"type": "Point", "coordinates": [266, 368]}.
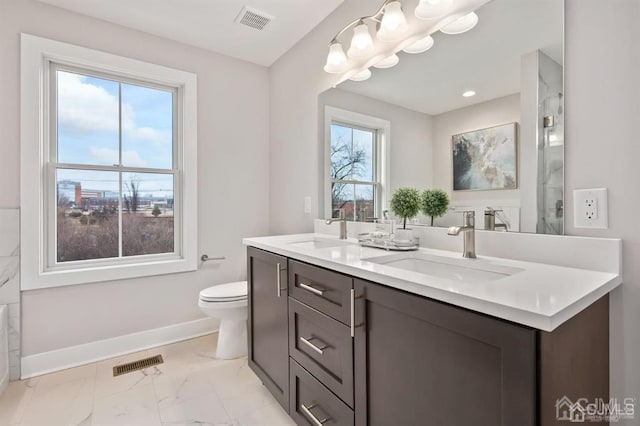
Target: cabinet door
{"type": "Point", "coordinates": [422, 362]}
{"type": "Point", "coordinates": [268, 321]}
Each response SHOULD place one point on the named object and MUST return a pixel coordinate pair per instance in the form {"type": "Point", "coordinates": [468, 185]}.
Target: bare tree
{"type": "Point", "coordinates": [133, 186]}
{"type": "Point", "coordinates": [345, 162]}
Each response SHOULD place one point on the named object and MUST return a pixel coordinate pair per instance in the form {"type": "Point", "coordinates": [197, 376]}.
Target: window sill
{"type": "Point", "coordinates": [88, 275]}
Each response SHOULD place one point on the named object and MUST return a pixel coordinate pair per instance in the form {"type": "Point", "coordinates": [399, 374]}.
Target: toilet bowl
{"type": "Point", "coordinates": [228, 303]}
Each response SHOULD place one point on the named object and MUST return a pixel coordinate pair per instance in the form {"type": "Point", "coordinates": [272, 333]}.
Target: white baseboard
{"type": "Point", "coordinates": [60, 359]}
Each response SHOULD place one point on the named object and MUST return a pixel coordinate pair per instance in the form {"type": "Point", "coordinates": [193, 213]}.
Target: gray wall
{"type": "Point", "coordinates": [602, 107]}
{"type": "Point", "coordinates": [602, 150]}
{"type": "Point", "coordinates": [479, 116]}
{"type": "Point", "coordinates": [232, 178]}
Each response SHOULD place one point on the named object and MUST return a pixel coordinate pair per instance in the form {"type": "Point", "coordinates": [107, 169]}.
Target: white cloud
{"type": "Point", "coordinates": [85, 107]}
{"type": "Point", "coordinates": [110, 156]}
{"type": "Point", "coordinates": [148, 134]}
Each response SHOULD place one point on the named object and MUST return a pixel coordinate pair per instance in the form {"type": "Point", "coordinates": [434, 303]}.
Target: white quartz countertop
{"type": "Point", "coordinates": [538, 295]}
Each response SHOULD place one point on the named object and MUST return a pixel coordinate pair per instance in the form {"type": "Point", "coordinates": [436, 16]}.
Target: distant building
{"type": "Point", "coordinates": [71, 191]}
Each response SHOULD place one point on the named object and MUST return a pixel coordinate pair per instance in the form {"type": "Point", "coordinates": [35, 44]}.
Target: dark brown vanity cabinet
{"type": "Point", "coordinates": [361, 353]}
{"type": "Point", "coordinates": [268, 329]}
{"type": "Point", "coordinates": [422, 362]}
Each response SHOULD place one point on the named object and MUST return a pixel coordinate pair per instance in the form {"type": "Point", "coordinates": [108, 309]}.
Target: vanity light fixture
{"type": "Point", "coordinates": [336, 60]}
{"type": "Point", "coordinates": [391, 26]}
{"type": "Point", "coordinates": [461, 25]}
{"type": "Point", "coordinates": [388, 62]}
{"type": "Point", "coordinates": [469, 93]}
{"type": "Point", "coordinates": [361, 76]}
{"type": "Point", "coordinates": [420, 46]}
{"type": "Point", "coordinates": [361, 43]}
{"type": "Point", "coordinates": [433, 9]}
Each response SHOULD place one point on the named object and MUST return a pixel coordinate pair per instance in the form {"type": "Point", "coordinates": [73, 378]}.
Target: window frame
{"type": "Point", "coordinates": [40, 59]}
{"type": "Point", "coordinates": [382, 128]}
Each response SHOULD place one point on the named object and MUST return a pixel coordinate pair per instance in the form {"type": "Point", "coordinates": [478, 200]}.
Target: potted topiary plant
{"type": "Point", "coordinates": [405, 204]}
{"type": "Point", "coordinates": [435, 203]}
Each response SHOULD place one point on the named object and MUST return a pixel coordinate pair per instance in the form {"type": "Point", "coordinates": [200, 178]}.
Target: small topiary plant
{"type": "Point", "coordinates": [156, 211]}
{"type": "Point", "coordinates": [405, 203]}
{"type": "Point", "coordinates": [435, 203]}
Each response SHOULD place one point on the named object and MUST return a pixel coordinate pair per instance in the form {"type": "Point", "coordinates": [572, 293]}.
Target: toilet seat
{"type": "Point", "coordinates": [228, 304]}
{"type": "Point", "coordinates": [225, 293]}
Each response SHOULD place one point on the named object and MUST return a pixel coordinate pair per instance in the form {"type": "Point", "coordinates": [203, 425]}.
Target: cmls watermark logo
{"type": "Point", "coordinates": [597, 410]}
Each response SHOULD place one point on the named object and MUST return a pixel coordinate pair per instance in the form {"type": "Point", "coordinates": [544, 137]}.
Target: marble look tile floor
{"type": "Point", "coordinates": [190, 388]}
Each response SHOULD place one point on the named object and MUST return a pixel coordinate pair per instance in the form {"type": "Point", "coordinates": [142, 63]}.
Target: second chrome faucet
{"type": "Point", "coordinates": [342, 218]}
{"type": "Point", "coordinates": [468, 229]}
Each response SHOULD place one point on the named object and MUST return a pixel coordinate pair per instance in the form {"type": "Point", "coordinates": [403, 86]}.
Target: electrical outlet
{"type": "Point", "coordinates": [590, 208]}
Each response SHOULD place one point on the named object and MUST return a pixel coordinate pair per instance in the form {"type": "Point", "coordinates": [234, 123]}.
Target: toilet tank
{"type": "Point", "coordinates": [4, 347]}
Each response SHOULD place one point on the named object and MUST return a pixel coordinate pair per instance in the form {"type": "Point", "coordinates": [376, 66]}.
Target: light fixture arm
{"type": "Point", "coordinates": [376, 17]}
{"type": "Point", "coordinates": [394, 32]}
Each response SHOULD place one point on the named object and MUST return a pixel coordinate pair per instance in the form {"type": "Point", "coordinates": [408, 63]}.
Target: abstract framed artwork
{"type": "Point", "coordinates": [485, 159]}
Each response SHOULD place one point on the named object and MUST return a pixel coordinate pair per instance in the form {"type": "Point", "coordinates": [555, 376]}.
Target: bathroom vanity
{"type": "Point", "coordinates": [342, 334]}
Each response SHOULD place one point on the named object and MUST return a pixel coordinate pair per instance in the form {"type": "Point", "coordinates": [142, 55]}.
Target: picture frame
{"type": "Point", "coordinates": [485, 159]}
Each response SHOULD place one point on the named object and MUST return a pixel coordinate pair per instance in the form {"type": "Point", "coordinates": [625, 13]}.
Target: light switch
{"type": "Point", "coordinates": [590, 208]}
{"type": "Point", "coordinates": [307, 204]}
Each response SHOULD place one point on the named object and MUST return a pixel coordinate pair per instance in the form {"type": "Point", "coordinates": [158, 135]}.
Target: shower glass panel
{"type": "Point", "coordinates": [550, 188]}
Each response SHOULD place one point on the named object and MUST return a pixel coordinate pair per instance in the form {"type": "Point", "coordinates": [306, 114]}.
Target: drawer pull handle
{"type": "Point", "coordinates": [353, 313]}
{"type": "Point", "coordinates": [307, 412]}
{"type": "Point", "coordinates": [278, 278]}
{"type": "Point", "coordinates": [318, 349]}
{"type": "Point", "coordinates": [312, 289]}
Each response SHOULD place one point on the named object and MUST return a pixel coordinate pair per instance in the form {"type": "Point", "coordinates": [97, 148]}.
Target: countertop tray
{"type": "Point", "coordinates": [389, 247]}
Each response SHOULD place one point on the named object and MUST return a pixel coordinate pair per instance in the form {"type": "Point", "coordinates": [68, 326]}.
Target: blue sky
{"type": "Point", "coordinates": [355, 140]}
{"type": "Point", "coordinates": [358, 140]}
{"type": "Point", "coordinates": [88, 131]}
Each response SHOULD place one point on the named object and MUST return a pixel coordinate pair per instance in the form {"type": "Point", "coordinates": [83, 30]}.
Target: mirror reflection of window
{"type": "Point", "coordinates": [353, 170]}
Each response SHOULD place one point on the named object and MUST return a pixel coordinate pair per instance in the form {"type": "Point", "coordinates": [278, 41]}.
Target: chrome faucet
{"type": "Point", "coordinates": [490, 220]}
{"type": "Point", "coordinates": [342, 218]}
{"type": "Point", "coordinates": [469, 229]}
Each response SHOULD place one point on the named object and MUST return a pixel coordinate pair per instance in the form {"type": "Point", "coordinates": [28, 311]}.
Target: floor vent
{"type": "Point", "coordinates": [140, 364]}
{"type": "Point", "coordinates": [253, 18]}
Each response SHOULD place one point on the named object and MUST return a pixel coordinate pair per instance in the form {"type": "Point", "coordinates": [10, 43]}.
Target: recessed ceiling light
{"type": "Point", "coordinates": [469, 93]}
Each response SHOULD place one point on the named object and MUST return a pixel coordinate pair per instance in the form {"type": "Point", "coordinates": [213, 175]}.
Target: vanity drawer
{"type": "Point", "coordinates": [324, 347]}
{"type": "Point", "coordinates": [313, 404]}
{"type": "Point", "coordinates": [327, 291]}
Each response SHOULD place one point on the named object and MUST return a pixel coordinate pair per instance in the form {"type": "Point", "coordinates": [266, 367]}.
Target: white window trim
{"type": "Point", "coordinates": [383, 127]}
{"type": "Point", "coordinates": [36, 55]}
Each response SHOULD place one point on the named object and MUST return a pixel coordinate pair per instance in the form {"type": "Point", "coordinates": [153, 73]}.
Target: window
{"type": "Point", "coordinates": [353, 171]}
{"type": "Point", "coordinates": [116, 152]}
{"type": "Point", "coordinates": [356, 164]}
{"type": "Point", "coordinates": [112, 144]}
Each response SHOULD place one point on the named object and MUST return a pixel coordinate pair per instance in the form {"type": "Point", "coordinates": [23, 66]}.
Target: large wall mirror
{"type": "Point", "coordinates": [479, 115]}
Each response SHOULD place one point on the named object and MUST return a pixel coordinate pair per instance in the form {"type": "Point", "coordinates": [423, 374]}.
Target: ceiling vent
{"type": "Point", "coordinates": [253, 18]}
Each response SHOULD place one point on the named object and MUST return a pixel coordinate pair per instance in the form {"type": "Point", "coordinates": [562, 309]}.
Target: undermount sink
{"type": "Point", "coordinates": [319, 243]}
{"type": "Point", "coordinates": [462, 270]}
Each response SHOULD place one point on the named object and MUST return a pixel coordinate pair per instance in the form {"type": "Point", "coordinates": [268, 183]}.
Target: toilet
{"type": "Point", "coordinates": [228, 303]}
